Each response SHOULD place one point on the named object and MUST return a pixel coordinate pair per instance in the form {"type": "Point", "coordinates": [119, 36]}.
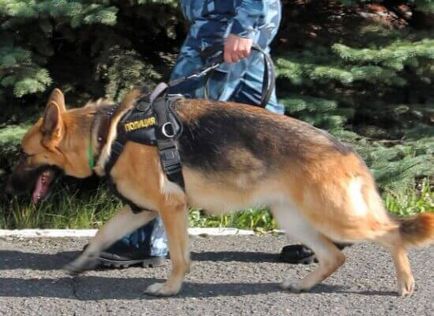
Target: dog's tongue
{"type": "Point", "coordinates": [42, 185]}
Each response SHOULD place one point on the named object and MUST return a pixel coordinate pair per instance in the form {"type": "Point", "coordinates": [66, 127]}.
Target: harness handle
{"type": "Point", "coordinates": [214, 54]}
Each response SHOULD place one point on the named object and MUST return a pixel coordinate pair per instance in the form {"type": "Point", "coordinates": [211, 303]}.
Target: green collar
{"type": "Point", "coordinates": [90, 157]}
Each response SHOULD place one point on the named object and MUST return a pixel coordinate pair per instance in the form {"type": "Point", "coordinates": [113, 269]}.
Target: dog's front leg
{"type": "Point", "coordinates": [124, 222]}
{"type": "Point", "coordinates": [175, 221]}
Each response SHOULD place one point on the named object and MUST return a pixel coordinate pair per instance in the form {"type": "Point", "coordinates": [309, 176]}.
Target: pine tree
{"type": "Point", "coordinates": [364, 71]}
{"type": "Point", "coordinates": [27, 30]}
{"type": "Point", "coordinates": [40, 38]}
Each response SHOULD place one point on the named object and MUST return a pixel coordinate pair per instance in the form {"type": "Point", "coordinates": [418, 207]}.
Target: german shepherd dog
{"type": "Point", "coordinates": [234, 156]}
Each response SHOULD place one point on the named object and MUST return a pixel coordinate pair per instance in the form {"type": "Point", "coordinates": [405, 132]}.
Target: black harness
{"type": "Point", "coordinates": [152, 121]}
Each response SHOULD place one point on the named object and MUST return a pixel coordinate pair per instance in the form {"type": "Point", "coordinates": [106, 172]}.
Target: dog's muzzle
{"type": "Point", "coordinates": [37, 179]}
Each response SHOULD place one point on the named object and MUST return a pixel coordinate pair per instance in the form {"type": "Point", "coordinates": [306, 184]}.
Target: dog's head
{"type": "Point", "coordinates": [57, 143]}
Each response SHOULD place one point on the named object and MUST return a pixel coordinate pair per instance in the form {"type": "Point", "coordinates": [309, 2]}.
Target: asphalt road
{"type": "Point", "coordinates": [236, 275]}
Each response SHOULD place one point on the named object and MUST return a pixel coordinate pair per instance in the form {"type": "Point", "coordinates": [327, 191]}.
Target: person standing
{"type": "Point", "coordinates": [234, 25]}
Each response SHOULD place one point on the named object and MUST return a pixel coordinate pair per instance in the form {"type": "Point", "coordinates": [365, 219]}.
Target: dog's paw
{"type": "Point", "coordinates": [78, 266]}
{"type": "Point", "coordinates": [161, 289]}
{"type": "Point", "coordinates": [406, 288]}
{"type": "Point", "coordinates": [292, 286]}
{"type": "Point", "coordinates": [71, 269]}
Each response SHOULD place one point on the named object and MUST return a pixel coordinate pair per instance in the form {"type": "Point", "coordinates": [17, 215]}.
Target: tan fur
{"type": "Point", "coordinates": [321, 194]}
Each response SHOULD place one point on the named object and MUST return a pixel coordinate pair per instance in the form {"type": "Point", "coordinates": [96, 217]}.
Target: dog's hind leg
{"type": "Point", "coordinates": [393, 242]}
{"type": "Point", "coordinates": [124, 222]}
{"type": "Point", "coordinates": [330, 258]}
{"type": "Point", "coordinates": [175, 222]}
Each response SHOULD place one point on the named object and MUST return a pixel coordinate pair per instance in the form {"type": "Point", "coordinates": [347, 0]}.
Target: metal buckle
{"type": "Point", "coordinates": [168, 130]}
{"type": "Point", "coordinates": [143, 105]}
{"type": "Point", "coordinates": [170, 158]}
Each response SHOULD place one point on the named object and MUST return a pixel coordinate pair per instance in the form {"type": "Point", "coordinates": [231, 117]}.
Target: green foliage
{"type": "Point", "coordinates": [18, 71]}
{"type": "Point", "coordinates": [363, 70]}
{"type": "Point", "coordinates": [173, 3]}
{"type": "Point", "coordinates": [396, 168]}
{"type": "Point", "coordinates": [422, 5]}
{"type": "Point", "coordinates": [411, 202]}
{"type": "Point", "coordinates": [46, 42]}
{"type": "Point", "coordinates": [371, 85]}
{"type": "Point", "coordinates": [65, 209]}
{"type": "Point", "coordinates": [74, 13]}
{"type": "Point", "coordinates": [27, 29]}
{"type": "Point", "coordinates": [395, 164]}
{"type": "Point", "coordinates": [348, 66]}
{"type": "Point", "coordinates": [123, 70]}
{"type": "Point", "coordinates": [254, 219]}
{"type": "Point", "coordinates": [316, 111]}
{"type": "Point", "coordinates": [71, 209]}
{"type": "Point", "coordinates": [12, 135]}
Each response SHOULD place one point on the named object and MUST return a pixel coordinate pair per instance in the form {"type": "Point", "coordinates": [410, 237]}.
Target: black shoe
{"type": "Point", "coordinates": [297, 254]}
{"type": "Point", "coordinates": [300, 254]}
{"type": "Point", "coordinates": [121, 255]}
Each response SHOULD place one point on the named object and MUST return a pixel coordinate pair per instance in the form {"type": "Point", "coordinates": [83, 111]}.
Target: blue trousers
{"type": "Point", "coordinates": [240, 82]}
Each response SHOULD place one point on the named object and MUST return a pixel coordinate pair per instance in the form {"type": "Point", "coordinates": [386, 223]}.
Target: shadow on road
{"type": "Point", "coordinates": [98, 288]}
{"type": "Point", "coordinates": [92, 288]}
{"type": "Point", "coordinates": [10, 260]}
{"type": "Point", "coordinates": [237, 256]}
{"type": "Point", "coordinates": [89, 288]}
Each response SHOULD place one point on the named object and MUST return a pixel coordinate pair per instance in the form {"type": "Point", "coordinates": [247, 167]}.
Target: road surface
{"type": "Point", "coordinates": [232, 275]}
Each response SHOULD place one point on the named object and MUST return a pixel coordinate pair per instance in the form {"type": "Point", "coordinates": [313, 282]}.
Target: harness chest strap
{"type": "Point", "coordinates": [103, 121]}
{"type": "Point", "coordinates": [155, 124]}
{"type": "Point", "coordinates": [169, 129]}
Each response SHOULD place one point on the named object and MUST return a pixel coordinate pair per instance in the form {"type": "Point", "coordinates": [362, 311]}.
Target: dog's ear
{"type": "Point", "coordinates": [52, 124]}
{"type": "Point", "coordinates": [58, 97]}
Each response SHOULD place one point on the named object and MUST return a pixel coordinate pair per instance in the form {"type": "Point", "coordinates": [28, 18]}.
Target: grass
{"type": "Point", "coordinates": [256, 219]}
{"type": "Point", "coordinates": [70, 208]}
{"type": "Point", "coordinates": [394, 168]}
{"type": "Point", "coordinates": [62, 210]}
{"type": "Point", "coordinates": [411, 201]}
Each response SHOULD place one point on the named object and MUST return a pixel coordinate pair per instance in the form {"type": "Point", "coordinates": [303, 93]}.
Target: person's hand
{"type": "Point", "coordinates": [236, 48]}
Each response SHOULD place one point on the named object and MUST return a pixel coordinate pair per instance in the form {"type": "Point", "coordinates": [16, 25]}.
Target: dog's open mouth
{"type": "Point", "coordinates": [43, 183]}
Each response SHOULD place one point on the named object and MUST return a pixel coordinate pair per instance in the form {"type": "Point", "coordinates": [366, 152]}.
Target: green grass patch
{"type": "Point", "coordinates": [411, 202]}
{"type": "Point", "coordinates": [256, 219]}
{"type": "Point", "coordinates": [64, 209]}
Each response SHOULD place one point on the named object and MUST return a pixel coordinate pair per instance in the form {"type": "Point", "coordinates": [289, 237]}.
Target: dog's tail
{"type": "Point", "coordinates": [417, 230]}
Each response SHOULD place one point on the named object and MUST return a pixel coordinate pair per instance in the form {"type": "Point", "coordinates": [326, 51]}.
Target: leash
{"type": "Point", "coordinates": [214, 55]}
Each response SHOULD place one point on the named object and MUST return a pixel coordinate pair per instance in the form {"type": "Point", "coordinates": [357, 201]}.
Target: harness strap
{"type": "Point", "coordinates": [171, 162]}
{"type": "Point", "coordinates": [116, 150]}
{"type": "Point", "coordinates": [168, 129]}
{"type": "Point", "coordinates": [102, 122]}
